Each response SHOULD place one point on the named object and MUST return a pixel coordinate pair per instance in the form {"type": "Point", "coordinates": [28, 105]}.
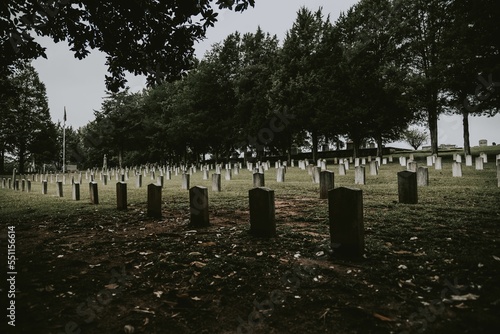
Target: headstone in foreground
{"type": "Point", "coordinates": [154, 201]}
{"type": "Point", "coordinates": [121, 196]}
{"type": "Point", "coordinates": [198, 206]}
{"type": "Point", "coordinates": [326, 183]}
{"type": "Point", "coordinates": [262, 212]}
{"type": "Point", "coordinates": [345, 211]}
{"type": "Point", "coordinates": [407, 187]}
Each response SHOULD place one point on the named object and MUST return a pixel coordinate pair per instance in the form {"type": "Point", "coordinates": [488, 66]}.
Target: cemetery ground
{"type": "Point", "coordinates": [429, 267]}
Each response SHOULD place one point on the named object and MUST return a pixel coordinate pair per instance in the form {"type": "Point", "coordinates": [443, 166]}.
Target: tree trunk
{"type": "Point", "coordinates": [465, 122]}
{"type": "Point", "coordinates": [355, 148]}
{"type": "Point", "coordinates": [433, 128]}
{"type": "Point", "coordinates": [22, 152]}
{"type": "Point", "coordinates": [314, 136]}
{"type": "Point", "coordinates": [380, 146]}
{"type": "Point", "coordinates": [2, 160]}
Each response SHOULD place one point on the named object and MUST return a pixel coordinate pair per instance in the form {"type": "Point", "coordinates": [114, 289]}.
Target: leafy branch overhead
{"type": "Point", "coordinates": [152, 38]}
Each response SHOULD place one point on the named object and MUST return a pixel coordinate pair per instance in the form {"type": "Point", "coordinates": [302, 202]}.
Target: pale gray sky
{"type": "Point", "coordinates": [79, 84]}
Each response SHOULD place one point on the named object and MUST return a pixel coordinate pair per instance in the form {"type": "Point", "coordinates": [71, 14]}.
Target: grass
{"type": "Point", "coordinates": [449, 240]}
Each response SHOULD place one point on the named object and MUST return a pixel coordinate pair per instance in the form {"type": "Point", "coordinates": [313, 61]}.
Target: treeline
{"type": "Point", "coordinates": [382, 66]}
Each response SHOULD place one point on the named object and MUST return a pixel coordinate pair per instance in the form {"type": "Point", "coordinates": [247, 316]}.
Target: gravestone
{"type": "Point", "coordinates": [363, 162]}
{"type": "Point", "coordinates": [16, 184]}
{"type": "Point", "coordinates": [280, 174]}
{"type": "Point", "coordinates": [198, 206]}
{"type": "Point", "coordinates": [422, 177]}
{"type": "Point", "coordinates": [262, 212]}
{"type": "Point", "coordinates": [359, 175]}
{"type": "Point", "coordinates": [154, 201]}
{"type": "Point", "coordinates": [4, 183]}
{"type": "Point", "coordinates": [429, 161]}
{"type": "Point", "coordinates": [94, 193]}
{"type": "Point", "coordinates": [384, 161]}
{"type": "Point", "coordinates": [458, 158]}
{"type": "Point", "coordinates": [138, 181]}
{"type": "Point", "coordinates": [159, 181]}
{"type": "Point", "coordinates": [438, 164]}
{"type": "Point", "coordinates": [75, 193]}
{"type": "Point", "coordinates": [205, 174]}
{"type": "Point", "coordinates": [23, 185]}
{"type": "Point", "coordinates": [412, 166]}
{"type": "Point", "coordinates": [484, 156]}
{"type": "Point", "coordinates": [457, 169]}
{"type": "Point", "coordinates": [326, 183]}
{"type": "Point", "coordinates": [44, 187]}
{"type": "Point", "coordinates": [59, 185]}
{"type": "Point", "coordinates": [468, 160]}
{"type": "Point", "coordinates": [105, 179]}
{"type": "Point", "coordinates": [345, 212]}
{"type": "Point", "coordinates": [356, 162]}
{"type": "Point", "coordinates": [374, 168]}
{"type": "Point", "coordinates": [391, 159]}
{"type": "Point", "coordinates": [216, 182]}
{"type": "Point", "coordinates": [402, 161]}
{"type": "Point", "coordinates": [121, 196]}
{"type": "Point", "coordinates": [168, 174]}
{"type": "Point", "coordinates": [228, 174]}
{"type": "Point", "coordinates": [258, 180]}
{"type": "Point", "coordinates": [28, 186]}
{"type": "Point", "coordinates": [236, 169]}
{"type": "Point", "coordinates": [479, 163]}
{"type": "Point", "coordinates": [346, 164]}
{"type": "Point", "coordinates": [9, 182]}
{"type": "Point", "coordinates": [341, 169]}
{"type": "Point", "coordinates": [407, 187]}
{"type": "Point", "coordinates": [323, 165]}
{"type": "Point", "coordinates": [185, 181]}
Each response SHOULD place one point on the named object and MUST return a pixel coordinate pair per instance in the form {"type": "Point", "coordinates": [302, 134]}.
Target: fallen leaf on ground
{"type": "Point", "coordinates": [468, 296]}
{"type": "Point", "coordinates": [381, 317]}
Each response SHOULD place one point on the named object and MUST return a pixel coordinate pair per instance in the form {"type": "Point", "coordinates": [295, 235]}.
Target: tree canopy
{"type": "Point", "coordinates": [152, 38]}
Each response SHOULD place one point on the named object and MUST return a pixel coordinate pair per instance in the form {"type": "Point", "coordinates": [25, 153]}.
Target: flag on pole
{"type": "Point", "coordinates": [64, 114]}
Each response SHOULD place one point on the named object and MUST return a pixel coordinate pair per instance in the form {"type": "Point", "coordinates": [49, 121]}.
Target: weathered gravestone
{"type": "Point", "coordinates": [121, 196]}
{"type": "Point", "coordinates": [326, 183]}
{"type": "Point", "coordinates": [228, 174]}
{"type": "Point", "coordinates": [258, 180]}
{"type": "Point", "coordinates": [422, 176]}
{"type": "Point", "coordinates": [216, 182]}
{"type": "Point", "coordinates": [138, 181]}
{"type": "Point", "coordinates": [280, 174]}
{"type": "Point", "coordinates": [407, 187]}
{"type": "Point", "coordinates": [479, 163]}
{"type": "Point", "coordinates": [185, 181]}
{"type": "Point", "coordinates": [94, 193]}
{"type": "Point", "coordinates": [359, 175]}
{"type": "Point", "coordinates": [468, 160]}
{"type": "Point", "coordinates": [402, 161]}
{"type": "Point", "coordinates": [412, 166]}
{"type": "Point", "coordinates": [345, 211]}
{"type": "Point", "coordinates": [315, 174]}
{"type": "Point", "coordinates": [198, 206]}
{"type": "Point", "coordinates": [75, 193]}
{"type": "Point", "coordinates": [457, 169]}
{"type": "Point", "coordinates": [438, 164]}
{"type": "Point", "coordinates": [205, 174]}
{"type": "Point", "coordinates": [374, 168]}
{"type": "Point", "coordinates": [59, 186]}
{"type": "Point", "coordinates": [262, 212]}
{"type": "Point", "coordinates": [44, 187]}
{"type": "Point", "coordinates": [341, 169]}
{"type": "Point", "coordinates": [154, 201]}
{"type": "Point", "coordinates": [28, 186]}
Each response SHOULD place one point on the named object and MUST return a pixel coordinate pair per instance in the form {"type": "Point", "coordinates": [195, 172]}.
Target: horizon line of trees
{"type": "Point", "coordinates": [382, 66]}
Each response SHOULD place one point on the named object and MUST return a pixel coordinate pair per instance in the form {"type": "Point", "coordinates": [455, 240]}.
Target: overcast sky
{"type": "Point", "coordinates": [79, 84]}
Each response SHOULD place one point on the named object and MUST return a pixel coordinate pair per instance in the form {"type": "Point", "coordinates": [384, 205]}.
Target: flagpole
{"type": "Point", "coordinates": [64, 143]}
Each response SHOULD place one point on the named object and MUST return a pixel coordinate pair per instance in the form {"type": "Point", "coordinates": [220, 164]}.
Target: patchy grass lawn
{"type": "Point", "coordinates": [432, 267]}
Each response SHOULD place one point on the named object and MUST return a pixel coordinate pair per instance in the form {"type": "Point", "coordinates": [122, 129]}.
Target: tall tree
{"type": "Point", "coordinates": [298, 83]}
{"type": "Point", "coordinates": [154, 38]}
{"type": "Point", "coordinates": [473, 55]}
{"type": "Point", "coordinates": [27, 117]}
{"type": "Point", "coordinates": [421, 36]}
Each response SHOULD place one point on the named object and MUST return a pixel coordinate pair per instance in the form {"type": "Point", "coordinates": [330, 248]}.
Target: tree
{"type": "Point", "coordinates": [371, 90]}
{"type": "Point", "coordinates": [415, 137]}
{"type": "Point", "coordinates": [153, 38]}
{"type": "Point", "coordinates": [299, 85]}
{"type": "Point", "coordinates": [420, 35]}
{"type": "Point", "coordinates": [26, 126]}
{"type": "Point", "coordinates": [473, 55]}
